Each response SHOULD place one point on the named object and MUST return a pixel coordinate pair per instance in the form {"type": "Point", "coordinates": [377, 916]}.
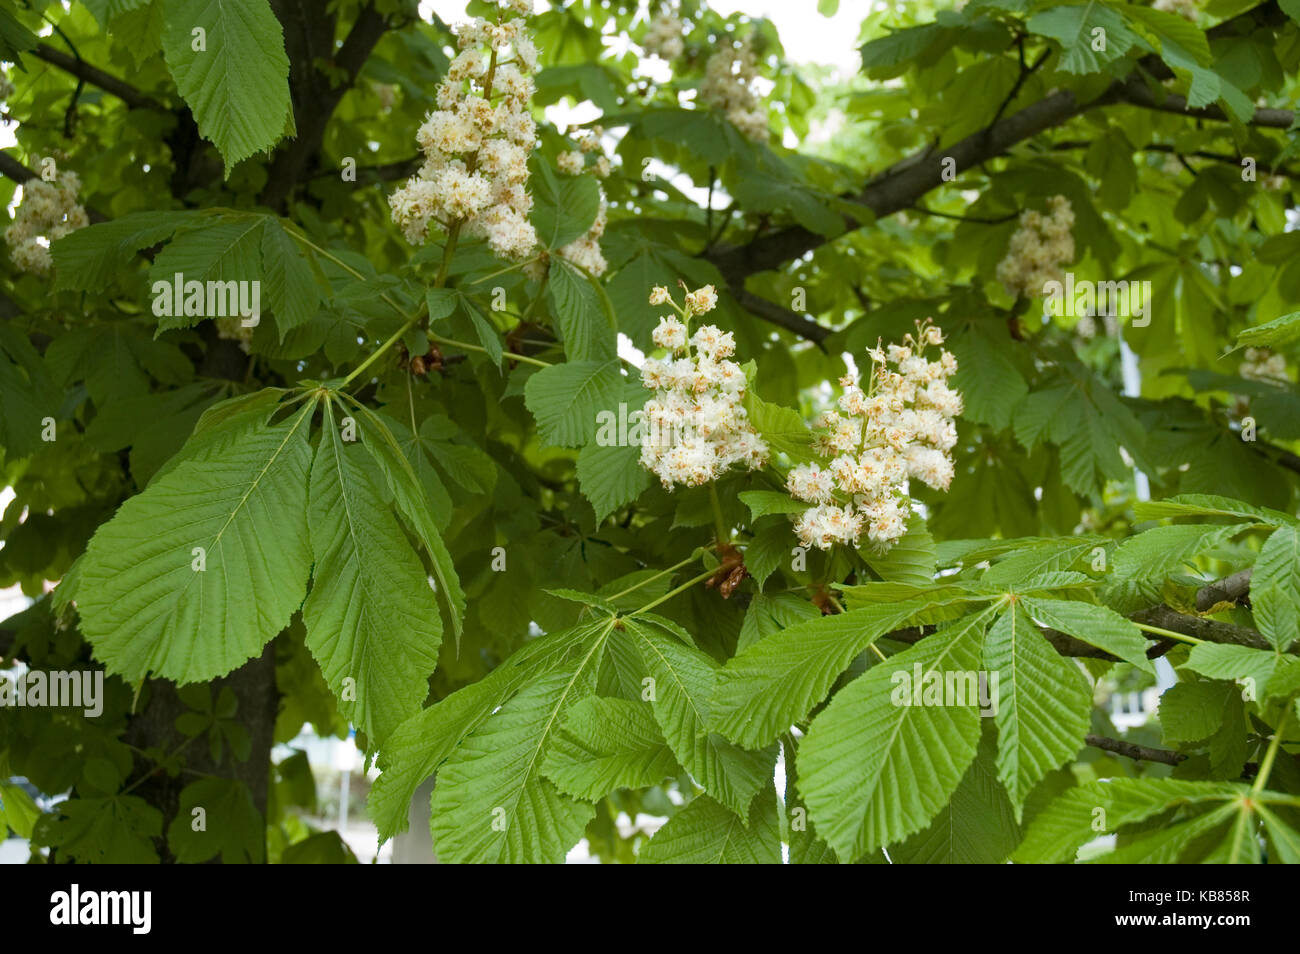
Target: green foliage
{"type": "Point", "coordinates": [432, 440]}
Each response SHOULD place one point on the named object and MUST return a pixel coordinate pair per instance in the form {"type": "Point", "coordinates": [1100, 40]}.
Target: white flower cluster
{"type": "Point", "coordinates": [1038, 249]}
{"type": "Point", "coordinates": [1262, 365]}
{"type": "Point", "coordinates": [664, 38]}
{"type": "Point", "coordinates": [49, 211]}
{"type": "Point", "coordinates": [728, 87]}
{"type": "Point", "coordinates": [1187, 9]}
{"type": "Point", "coordinates": [695, 426]}
{"type": "Point", "coordinates": [476, 143]}
{"type": "Point", "coordinates": [901, 428]}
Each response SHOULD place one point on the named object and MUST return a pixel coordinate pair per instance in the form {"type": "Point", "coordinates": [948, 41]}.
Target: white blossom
{"type": "Point", "coordinates": [1038, 249]}
{"type": "Point", "coordinates": [875, 441]}
{"type": "Point", "coordinates": [694, 426]}
{"type": "Point", "coordinates": [476, 143]}
{"type": "Point", "coordinates": [48, 212]}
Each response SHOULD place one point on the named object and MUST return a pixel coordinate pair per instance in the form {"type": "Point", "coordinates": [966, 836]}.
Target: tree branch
{"type": "Point", "coordinates": [1230, 589]}
{"type": "Point", "coordinates": [790, 320]}
{"type": "Point", "coordinates": [1137, 93]}
{"type": "Point", "coordinates": [904, 183]}
{"type": "Point", "coordinates": [96, 77]}
{"type": "Point", "coordinates": [1139, 753]}
{"type": "Point", "coordinates": [315, 96]}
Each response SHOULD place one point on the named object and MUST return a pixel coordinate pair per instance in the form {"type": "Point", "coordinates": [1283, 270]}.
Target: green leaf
{"type": "Point", "coordinates": [564, 208]}
{"type": "Point", "coordinates": [1042, 703]}
{"type": "Point", "coordinates": [291, 289]}
{"type": "Point", "coordinates": [1275, 587]}
{"type": "Point", "coordinates": [322, 848]}
{"type": "Point", "coordinates": [491, 803]}
{"type": "Point", "coordinates": [910, 560]}
{"type": "Point", "coordinates": [1272, 334]}
{"type": "Point", "coordinates": [978, 826]}
{"type": "Point", "coordinates": [768, 615]}
{"type": "Point", "coordinates": [1098, 808]}
{"type": "Point", "coordinates": [565, 399]}
{"type": "Point", "coordinates": [611, 477]}
{"type": "Point", "coordinates": [776, 682]}
{"type": "Point", "coordinates": [1096, 625]}
{"type": "Point", "coordinates": [1142, 563]}
{"type": "Point", "coordinates": [17, 810]}
{"type": "Point", "coordinates": [1074, 27]}
{"type": "Point", "coordinates": [15, 39]}
{"type": "Point", "coordinates": [240, 493]}
{"type": "Point", "coordinates": [236, 83]}
{"type": "Point", "coordinates": [608, 744]}
{"type": "Point", "coordinates": [224, 249]}
{"type": "Point", "coordinates": [423, 742]}
{"type": "Point", "coordinates": [372, 619]}
{"type": "Point", "coordinates": [1219, 661]}
{"type": "Point", "coordinates": [873, 770]}
{"type": "Point", "coordinates": [764, 502]}
{"type": "Point", "coordinates": [119, 829]}
{"type": "Point", "coordinates": [1193, 711]}
{"type": "Point", "coordinates": [411, 501]}
{"type": "Point", "coordinates": [782, 428]}
{"type": "Point", "coordinates": [232, 826]}
{"type": "Point", "coordinates": [770, 547]}
{"type": "Point", "coordinates": [683, 684]}
{"type": "Point", "coordinates": [1209, 505]}
{"type": "Point", "coordinates": [706, 833]}
{"type": "Point", "coordinates": [89, 258]}
{"type": "Point", "coordinates": [580, 317]}
{"type": "Point", "coordinates": [991, 386]}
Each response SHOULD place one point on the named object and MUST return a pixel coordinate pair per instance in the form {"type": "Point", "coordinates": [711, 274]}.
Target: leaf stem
{"type": "Point", "coordinates": [651, 579]}
{"type": "Point", "coordinates": [1266, 766]}
{"type": "Point", "coordinates": [508, 356]}
{"type": "Point", "coordinates": [671, 593]}
{"type": "Point", "coordinates": [719, 524]}
{"type": "Point", "coordinates": [1168, 634]}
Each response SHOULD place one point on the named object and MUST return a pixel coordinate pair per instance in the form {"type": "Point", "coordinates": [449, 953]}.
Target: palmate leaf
{"type": "Point", "coordinates": [1096, 625]}
{"type": "Point", "coordinates": [1043, 703]}
{"type": "Point", "coordinates": [237, 84]}
{"type": "Point", "coordinates": [372, 619]}
{"type": "Point", "coordinates": [872, 771]}
{"type": "Point", "coordinates": [1072, 26]}
{"type": "Point", "coordinates": [423, 742]}
{"type": "Point", "coordinates": [683, 684]}
{"type": "Point", "coordinates": [87, 259]}
{"type": "Point", "coordinates": [238, 491]}
{"type": "Point", "coordinates": [611, 477]}
{"type": "Point", "coordinates": [1275, 587]}
{"type": "Point", "coordinates": [565, 399]}
{"type": "Point", "coordinates": [775, 683]}
{"type": "Point", "coordinates": [978, 826]}
{"type": "Point", "coordinates": [1084, 813]}
{"type": "Point", "coordinates": [414, 506]}
{"type": "Point", "coordinates": [491, 802]}
{"type": "Point", "coordinates": [608, 744]}
{"type": "Point", "coordinates": [119, 829]}
{"type": "Point", "coordinates": [234, 828]}
{"type": "Point", "coordinates": [706, 833]}
{"type": "Point", "coordinates": [584, 325]}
